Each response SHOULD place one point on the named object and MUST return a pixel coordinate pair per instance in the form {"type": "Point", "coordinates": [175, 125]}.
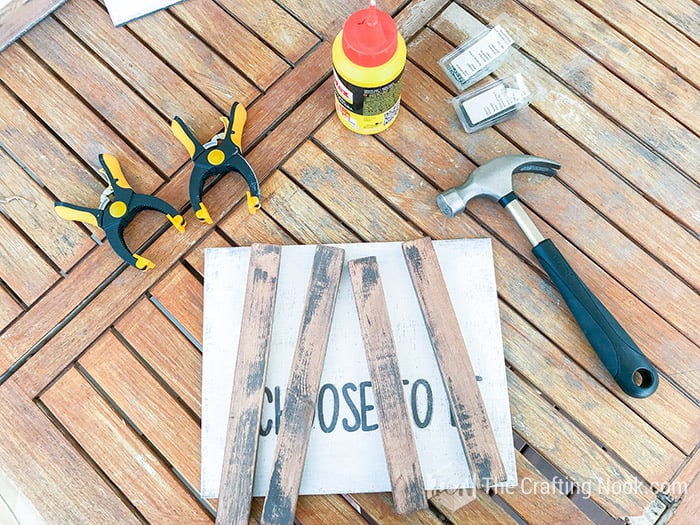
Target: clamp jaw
{"type": "Point", "coordinates": [220, 155]}
{"type": "Point", "coordinates": [119, 204]}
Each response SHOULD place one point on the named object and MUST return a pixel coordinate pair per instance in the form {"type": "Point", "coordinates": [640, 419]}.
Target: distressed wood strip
{"type": "Point", "coordinates": [166, 350]}
{"type": "Point", "coordinates": [156, 414]}
{"type": "Point", "coordinates": [275, 26]}
{"type": "Point", "coordinates": [48, 470]}
{"type": "Point", "coordinates": [18, 16]}
{"type": "Point", "coordinates": [150, 486]}
{"type": "Point", "coordinates": [475, 432]}
{"type": "Point", "coordinates": [394, 424]}
{"type": "Point", "coordinates": [524, 286]}
{"type": "Point", "coordinates": [236, 487]}
{"type": "Point", "coordinates": [302, 388]}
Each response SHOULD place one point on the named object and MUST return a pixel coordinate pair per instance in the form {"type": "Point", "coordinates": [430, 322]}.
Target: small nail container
{"type": "Point", "coordinates": [492, 103]}
{"type": "Point", "coordinates": [477, 58]}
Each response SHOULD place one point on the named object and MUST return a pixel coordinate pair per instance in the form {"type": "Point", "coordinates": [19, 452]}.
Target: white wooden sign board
{"type": "Point", "coordinates": [345, 453]}
{"type": "Point", "coordinates": [124, 11]}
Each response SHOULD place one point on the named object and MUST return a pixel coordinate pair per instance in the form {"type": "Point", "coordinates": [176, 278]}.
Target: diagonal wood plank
{"type": "Point", "coordinates": [400, 450]}
{"type": "Point", "coordinates": [236, 486]}
{"type": "Point", "coordinates": [302, 387]}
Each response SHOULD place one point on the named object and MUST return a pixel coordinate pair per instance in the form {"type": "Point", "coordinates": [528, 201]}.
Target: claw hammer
{"type": "Point", "coordinates": [630, 368]}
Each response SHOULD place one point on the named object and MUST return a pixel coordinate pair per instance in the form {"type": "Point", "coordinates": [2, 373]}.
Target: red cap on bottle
{"type": "Point", "coordinates": [370, 37]}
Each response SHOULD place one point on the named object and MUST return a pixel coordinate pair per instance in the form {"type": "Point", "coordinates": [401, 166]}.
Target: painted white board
{"type": "Point", "coordinates": [345, 453]}
{"type": "Point", "coordinates": [123, 11]}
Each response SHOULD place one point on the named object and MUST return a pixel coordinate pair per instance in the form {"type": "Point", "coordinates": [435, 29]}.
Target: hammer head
{"type": "Point", "coordinates": [494, 180]}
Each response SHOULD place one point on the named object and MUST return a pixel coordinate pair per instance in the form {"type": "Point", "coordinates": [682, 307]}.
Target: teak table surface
{"type": "Point", "coordinates": [100, 364]}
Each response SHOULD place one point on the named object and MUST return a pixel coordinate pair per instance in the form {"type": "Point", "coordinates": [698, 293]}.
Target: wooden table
{"type": "Point", "coordinates": [100, 385]}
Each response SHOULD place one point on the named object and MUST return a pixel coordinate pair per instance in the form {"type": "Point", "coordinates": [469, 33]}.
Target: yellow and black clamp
{"type": "Point", "coordinates": [119, 204]}
{"type": "Point", "coordinates": [220, 155]}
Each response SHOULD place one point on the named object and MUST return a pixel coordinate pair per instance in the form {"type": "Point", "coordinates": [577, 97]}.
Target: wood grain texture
{"type": "Point", "coordinates": [472, 421]}
{"type": "Point", "coordinates": [236, 487]}
{"type": "Point", "coordinates": [383, 363]}
{"type": "Point", "coordinates": [18, 16]}
{"type": "Point", "coordinates": [303, 386]}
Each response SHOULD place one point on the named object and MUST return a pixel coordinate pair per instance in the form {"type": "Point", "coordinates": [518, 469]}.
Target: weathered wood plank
{"type": "Point", "coordinates": [157, 415]}
{"type": "Point", "coordinates": [22, 268]}
{"type": "Point", "coordinates": [478, 508]}
{"type": "Point", "coordinates": [275, 26]}
{"type": "Point", "coordinates": [18, 16]}
{"type": "Point", "coordinates": [400, 450]}
{"type": "Point", "coordinates": [641, 221]}
{"type": "Point", "coordinates": [619, 54]}
{"type": "Point", "coordinates": [245, 229]}
{"type": "Point", "coordinates": [235, 42]}
{"type": "Point", "coordinates": [140, 475]}
{"type": "Point", "coordinates": [212, 75]}
{"type": "Point", "coordinates": [322, 510]}
{"type": "Point", "coordinates": [68, 116]}
{"type": "Point", "coordinates": [537, 499]}
{"type": "Point", "coordinates": [472, 421]}
{"type": "Point", "coordinates": [9, 309]}
{"type": "Point", "coordinates": [49, 471]}
{"type": "Point", "coordinates": [302, 388]}
{"type": "Point", "coordinates": [379, 507]}
{"type": "Point", "coordinates": [634, 157]}
{"type": "Point", "coordinates": [670, 46]}
{"type": "Point", "coordinates": [236, 487]}
{"type": "Point", "coordinates": [141, 68]}
{"type": "Point", "coordinates": [299, 215]}
{"type": "Point", "coordinates": [166, 350]}
{"type": "Point", "coordinates": [32, 210]}
{"type": "Point", "coordinates": [683, 16]}
{"type": "Point", "coordinates": [353, 203]}
{"type": "Point", "coordinates": [182, 296]}
{"type": "Point", "coordinates": [688, 510]}
{"type": "Point", "coordinates": [106, 93]}
{"type": "Point", "coordinates": [521, 285]}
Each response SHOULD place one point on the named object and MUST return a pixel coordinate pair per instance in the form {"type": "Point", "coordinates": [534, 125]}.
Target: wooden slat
{"type": "Point", "coordinates": [22, 268]}
{"type": "Point", "coordinates": [302, 388]}
{"type": "Point", "coordinates": [286, 203]}
{"type": "Point", "coordinates": [673, 48]}
{"type": "Point", "coordinates": [141, 476]}
{"type": "Point", "coordinates": [33, 449]}
{"type": "Point", "coordinates": [17, 16]}
{"type": "Point", "coordinates": [322, 510]}
{"type": "Point", "coordinates": [682, 16]}
{"type": "Point", "coordinates": [166, 350]}
{"type": "Point", "coordinates": [196, 257]}
{"type": "Point", "coordinates": [194, 60]}
{"type": "Point", "coordinates": [379, 507]}
{"type": "Point", "coordinates": [9, 309]}
{"type": "Point", "coordinates": [68, 116]}
{"type": "Point", "coordinates": [539, 500]}
{"type": "Point", "coordinates": [148, 406]}
{"type": "Point", "coordinates": [275, 26]}
{"type": "Point", "coordinates": [141, 68]}
{"type": "Point", "coordinates": [468, 410]}
{"type": "Point", "coordinates": [353, 203]}
{"type": "Point", "coordinates": [624, 153]}
{"type": "Point", "coordinates": [617, 52]}
{"type": "Point", "coordinates": [32, 210]}
{"type": "Point", "coordinates": [182, 295]}
{"type": "Point", "coordinates": [395, 426]}
{"type": "Point", "coordinates": [520, 285]}
{"type": "Point", "coordinates": [479, 508]}
{"type": "Point", "coordinates": [246, 229]}
{"type": "Point", "coordinates": [236, 487]}
{"type": "Point", "coordinates": [249, 54]}
{"type": "Point", "coordinates": [100, 88]}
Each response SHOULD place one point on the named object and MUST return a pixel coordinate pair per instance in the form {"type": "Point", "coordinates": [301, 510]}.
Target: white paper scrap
{"type": "Point", "coordinates": [124, 11]}
{"type": "Point", "coordinates": [345, 452]}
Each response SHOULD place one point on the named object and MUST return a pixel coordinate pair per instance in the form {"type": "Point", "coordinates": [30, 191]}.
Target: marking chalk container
{"type": "Point", "coordinates": [369, 56]}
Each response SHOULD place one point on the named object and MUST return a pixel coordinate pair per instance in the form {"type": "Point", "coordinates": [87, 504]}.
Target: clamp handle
{"type": "Point", "coordinates": [73, 212]}
{"type": "Point", "coordinates": [184, 134]}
